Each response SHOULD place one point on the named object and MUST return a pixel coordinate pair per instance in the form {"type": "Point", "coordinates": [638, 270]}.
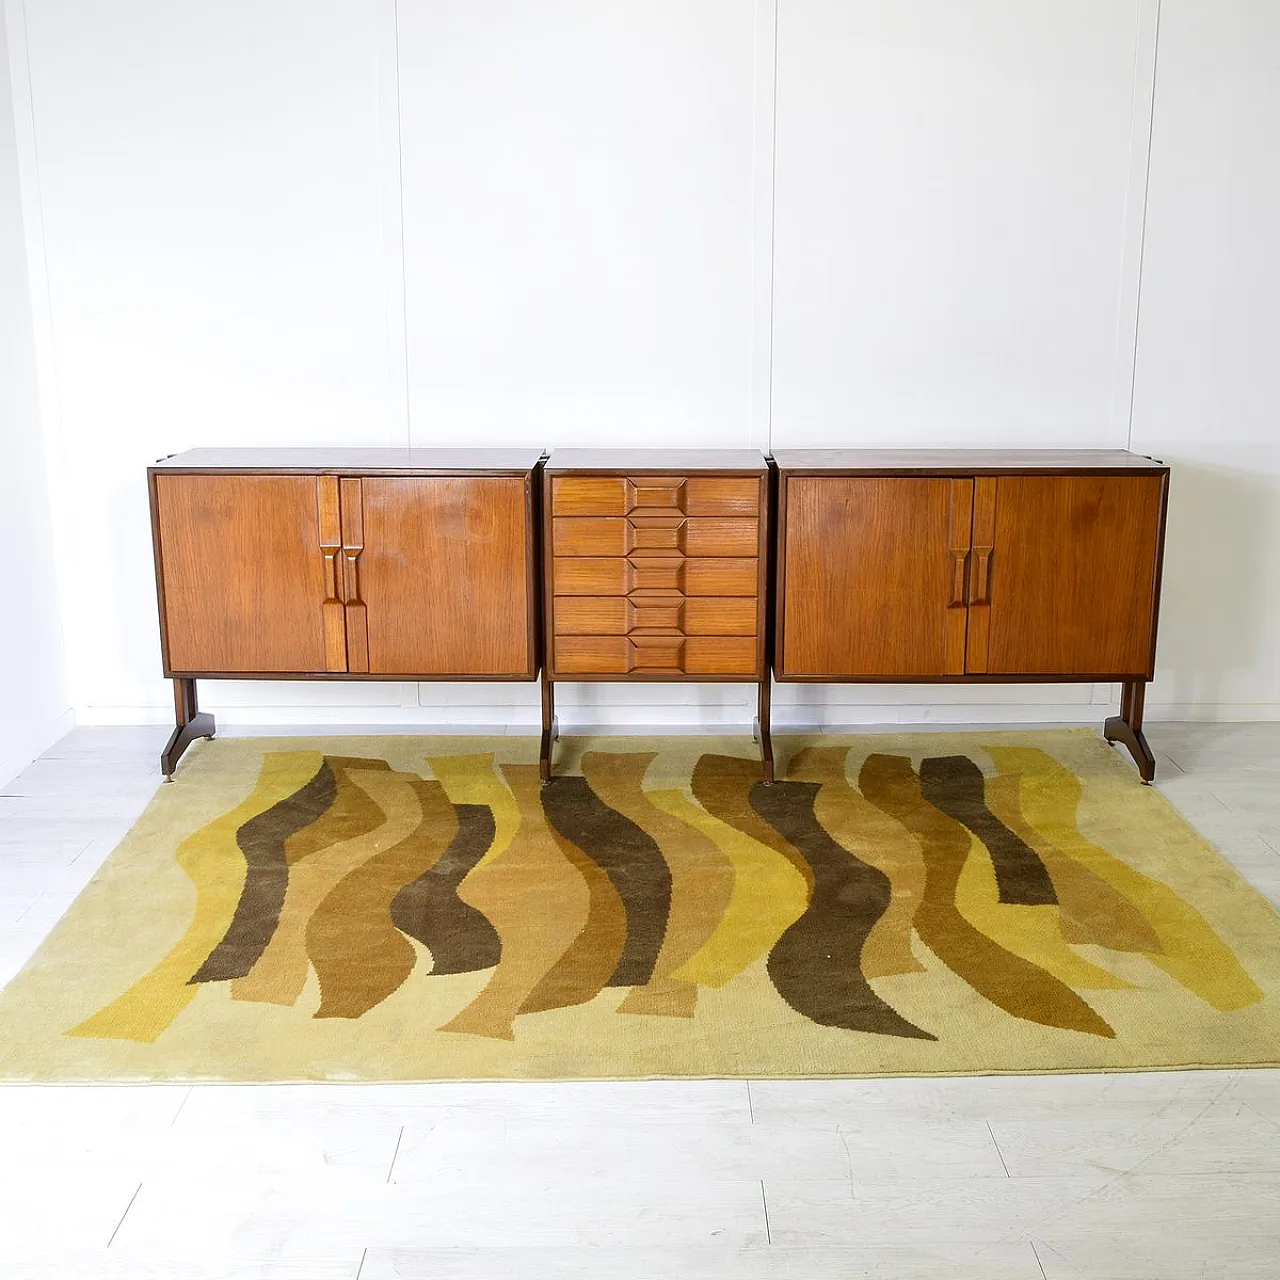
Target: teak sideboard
{"type": "Point", "coordinates": [673, 565]}
{"type": "Point", "coordinates": [972, 565]}
{"type": "Point", "coordinates": [351, 564]}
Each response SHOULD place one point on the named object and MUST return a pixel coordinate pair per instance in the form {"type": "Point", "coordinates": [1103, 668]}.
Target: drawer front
{"type": "Point", "coordinates": [683, 495]}
{"type": "Point", "coordinates": [616, 576]}
{"type": "Point", "coordinates": [654, 613]}
{"type": "Point", "coordinates": [672, 656]}
{"type": "Point", "coordinates": [655, 535]}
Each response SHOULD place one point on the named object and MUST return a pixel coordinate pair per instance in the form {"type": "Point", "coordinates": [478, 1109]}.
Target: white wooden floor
{"type": "Point", "coordinates": [1039, 1178]}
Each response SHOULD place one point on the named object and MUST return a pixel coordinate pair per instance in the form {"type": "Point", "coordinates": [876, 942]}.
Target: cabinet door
{"type": "Point", "coordinates": [1070, 581]}
{"type": "Point", "coordinates": [246, 570]}
{"type": "Point", "coordinates": [874, 576]}
{"type": "Point", "coordinates": [443, 571]}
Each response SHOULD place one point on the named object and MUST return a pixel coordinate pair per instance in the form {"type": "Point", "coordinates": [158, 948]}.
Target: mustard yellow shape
{"type": "Point", "coordinates": [475, 780]}
{"type": "Point", "coordinates": [769, 895]}
{"type": "Point", "coordinates": [1193, 954]}
{"type": "Point", "coordinates": [216, 866]}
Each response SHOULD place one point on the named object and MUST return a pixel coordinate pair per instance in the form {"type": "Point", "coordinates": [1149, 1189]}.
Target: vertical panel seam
{"type": "Point", "coordinates": [1142, 234]}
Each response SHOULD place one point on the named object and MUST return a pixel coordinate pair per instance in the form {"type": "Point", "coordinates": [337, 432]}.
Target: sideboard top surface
{"type": "Point", "coordinates": [355, 461]}
{"type": "Point", "coordinates": [961, 461]}
{"type": "Point", "coordinates": [674, 461]}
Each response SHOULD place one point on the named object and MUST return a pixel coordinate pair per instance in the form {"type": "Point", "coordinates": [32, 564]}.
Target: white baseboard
{"type": "Point", "coordinates": [634, 714]}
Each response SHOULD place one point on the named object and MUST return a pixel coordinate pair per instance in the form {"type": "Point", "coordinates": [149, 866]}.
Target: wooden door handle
{"type": "Point", "coordinates": [981, 576]}
{"type": "Point", "coordinates": [351, 575]}
{"type": "Point", "coordinates": [959, 578]}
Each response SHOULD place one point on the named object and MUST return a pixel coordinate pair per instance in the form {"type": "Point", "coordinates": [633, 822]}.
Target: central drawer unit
{"type": "Point", "coordinates": [656, 569]}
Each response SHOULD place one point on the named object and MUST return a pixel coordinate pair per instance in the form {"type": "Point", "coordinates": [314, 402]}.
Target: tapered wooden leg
{"type": "Point", "coordinates": [1126, 728]}
{"type": "Point", "coordinates": [762, 731]}
{"type": "Point", "coordinates": [550, 729]}
{"type": "Point", "coordinates": [192, 723]}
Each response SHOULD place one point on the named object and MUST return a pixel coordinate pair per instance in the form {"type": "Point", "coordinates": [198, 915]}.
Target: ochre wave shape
{"type": "Point", "coordinates": [1007, 980]}
{"type": "Point", "coordinates": [770, 893]}
{"type": "Point", "coordinates": [880, 841]}
{"type": "Point", "coordinates": [281, 974]}
{"type": "Point", "coordinates": [632, 861]}
{"type": "Point", "coordinates": [215, 864]}
{"type": "Point", "coordinates": [1091, 912]}
{"type": "Point", "coordinates": [1034, 933]}
{"type": "Point", "coordinates": [584, 970]}
{"type": "Point", "coordinates": [536, 900]}
{"type": "Point", "coordinates": [1190, 950]}
{"type": "Point", "coordinates": [262, 840]}
{"type": "Point", "coordinates": [815, 965]}
{"type": "Point", "coordinates": [428, 909]}
{"type": "Point", "coordinates": [701, 878]}
{"type": "Point", "coordinates": [359, 956]}
{"type": "Point", "coordinates": [956, 785]}
{"type": "Point", "coordinates": [351, 814]}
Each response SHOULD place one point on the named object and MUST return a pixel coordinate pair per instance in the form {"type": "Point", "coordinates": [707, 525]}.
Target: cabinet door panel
{"type": "Point", "coordinates": [1072, 575]}
{"type": "Point", "coordinates": [443, 575]}
{"type": "Point", "coordinates": [874, 576]}
{"type": "Point", "coordinates": [243, 568]}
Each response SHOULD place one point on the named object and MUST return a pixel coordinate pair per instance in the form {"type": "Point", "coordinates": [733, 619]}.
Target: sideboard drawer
{"type": "Point", "coordinates": [674, 655]}
{"type": "Point", "coordinates": [677, 495]}
{"type": "Point", "coordinates": [617, 576]}
{"type": "Point", "coordinates": [656, 535]}
{"type": "Point", "coordinates": [625, 615]}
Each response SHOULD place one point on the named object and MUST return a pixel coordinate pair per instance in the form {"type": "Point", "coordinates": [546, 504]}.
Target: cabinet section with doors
{"type": "Point", "coordinates": [656, 569]}
{"type": "Point", "coordinates": [972, 566]}
{"type": "Point", "coordinates": [411, 564]}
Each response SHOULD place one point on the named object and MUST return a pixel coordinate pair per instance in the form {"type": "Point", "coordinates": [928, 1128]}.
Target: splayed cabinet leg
{"type": "Point", "coordinates": [192, 723]}
{"type": "Point", "coordinates": [550, 728]}
{"type": "Point", "coordinates": [762, 732]}
{"type": "Point", "coordinates": [1126, 728]}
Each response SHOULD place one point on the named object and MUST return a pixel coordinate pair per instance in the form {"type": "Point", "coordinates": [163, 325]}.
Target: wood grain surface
{"type": "Point", "coordinates": [869, 577]}
{"type": "Point", "coordinates": [244, 573]}
{"type": "Point", "coordinates": [443, 574]}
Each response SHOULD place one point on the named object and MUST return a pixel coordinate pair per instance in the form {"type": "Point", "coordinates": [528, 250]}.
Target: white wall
{"type": "Point", "coordinates": [1208, 386]}
{"type": "Point", "coordinates": [578, 220]}
{"type": "Point", "coordinates": [702, 222]}
{"type": "Point", "coordinates": [34, 706]}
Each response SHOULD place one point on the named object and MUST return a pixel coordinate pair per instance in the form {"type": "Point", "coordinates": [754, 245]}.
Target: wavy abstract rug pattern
{"type": "Point", "coordinates": [422, 908]}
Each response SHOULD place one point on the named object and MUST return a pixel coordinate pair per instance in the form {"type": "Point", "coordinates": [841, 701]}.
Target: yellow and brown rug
{"type": "Point", "coordinates": [421, 908]}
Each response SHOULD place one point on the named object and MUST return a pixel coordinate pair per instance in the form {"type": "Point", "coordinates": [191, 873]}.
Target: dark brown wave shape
{"type": "Point", "coordinates": [262, 841]}
{"type": "Point", "coordinates": [1013, 984]}
{"type": "Point", "coordinates": [630, 857]}
{"type": "Point", "coordinates": [957, 786]}
{"type": "Point", "coordinates": [816, 964]}
{"type": "Point", "coordinates": [458, 936]}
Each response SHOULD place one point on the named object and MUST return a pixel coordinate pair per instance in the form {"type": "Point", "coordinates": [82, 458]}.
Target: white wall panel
{"type": "Point", "coordinates": [578, 203]}
{"type": "Point", "coordinates": [951, 224]}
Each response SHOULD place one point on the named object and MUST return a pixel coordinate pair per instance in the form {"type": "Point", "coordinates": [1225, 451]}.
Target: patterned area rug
{"type": "Point", "coordinates": [421, 908]}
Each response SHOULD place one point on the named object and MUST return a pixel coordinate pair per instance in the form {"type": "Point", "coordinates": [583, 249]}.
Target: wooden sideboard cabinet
{"type": "Point", "coordinates": [656, 568]}
{"type": "Point", "coordinates": [379, 564]}
{"type": "Point", "coordinates": [972, 566]}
